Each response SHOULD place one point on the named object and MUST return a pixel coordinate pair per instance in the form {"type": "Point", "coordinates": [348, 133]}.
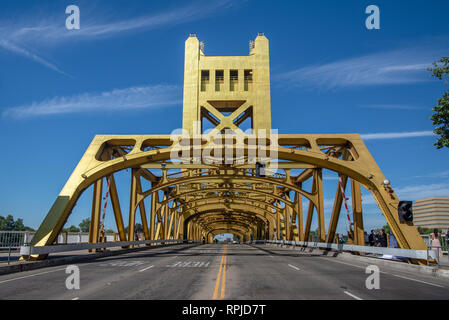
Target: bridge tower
{"type": "Point", "coordinates": [227, 91]}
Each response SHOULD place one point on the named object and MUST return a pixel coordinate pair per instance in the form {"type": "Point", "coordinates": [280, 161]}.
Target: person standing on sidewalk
{"type": "Point", "coordinates": [436, 244]}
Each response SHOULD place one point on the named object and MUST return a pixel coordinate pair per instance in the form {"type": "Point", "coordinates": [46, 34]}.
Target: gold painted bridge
{"type": "Point", "coordinates": [204, 183]}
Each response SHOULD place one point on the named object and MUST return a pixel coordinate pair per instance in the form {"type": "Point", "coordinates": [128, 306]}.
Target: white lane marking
{"type": "Point", "coordinates": [391, 274]}
{"type": "Point", "coordinates": [348, 264]}
{"type": "Point", "coordinates": [75, 298]}
{"type": "Point", "coordinates": [351, 295]}
{"type": "Point", "coordinates": [146, 268]}
{"type": "Point", "coordinates": [189, 264]}
{"type": "Point", "coordinates": [431, 284]}
{"type": "Point", "coordinates": [123, 264]}
{"type": "Point", "coordinates": [271, 256]}
{"type": "Point", "coordinates": [296, 268]}
{"type": "Point", "coordinates": [31, 275]}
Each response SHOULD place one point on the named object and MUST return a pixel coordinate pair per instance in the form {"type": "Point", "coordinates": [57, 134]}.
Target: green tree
{"type": "Point", "coordinates": [71, 229]}
{"type": "Point", "coordinates": [8, 224]}
{"type": "Point", "coordinates": [440, 119]}
{"type": "Point", "coordinates": [84, 225]}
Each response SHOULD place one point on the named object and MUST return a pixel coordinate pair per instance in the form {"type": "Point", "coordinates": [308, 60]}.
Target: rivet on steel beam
{"type": "Point", "coordinates": [124, 158]}
{"type": "Point", "coordinates": [370, 176]}
{"type": "Point", "coordinates": [84, 176]}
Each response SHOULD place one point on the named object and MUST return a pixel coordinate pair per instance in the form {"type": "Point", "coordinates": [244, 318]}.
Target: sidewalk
{"type": "Point", "coordinates": [55, 259]}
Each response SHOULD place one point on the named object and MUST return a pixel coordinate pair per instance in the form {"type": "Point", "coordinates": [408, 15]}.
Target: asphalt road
{"type": "Point", "coordinates": [216, 271]}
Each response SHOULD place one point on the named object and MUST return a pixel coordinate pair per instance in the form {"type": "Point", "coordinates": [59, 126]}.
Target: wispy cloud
{"type": "Point", "coordinates": [441, 174]}
{"type": "Point", "coordinates": [396, 135]}
{"type": "Point", "coordinates": [50, 32]}
{"type": "Point", "coordinates": [96, 27]}
{"type": "Point", "coordinates": [118, 99]}
{"type": "Point", "coordinates": [385, 68]}
{"type": "Point", "coordinates": [423, 191]}
{"type": "Point", "coordinates": [27, 54]}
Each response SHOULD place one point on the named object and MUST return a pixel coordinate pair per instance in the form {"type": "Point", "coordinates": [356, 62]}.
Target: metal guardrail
{"type": "Point", "coordinates": [27, 250]}
{"type": "Point", "coordinates": [405, 253]}
{"type": "Point", "coordinates": [14, 239]}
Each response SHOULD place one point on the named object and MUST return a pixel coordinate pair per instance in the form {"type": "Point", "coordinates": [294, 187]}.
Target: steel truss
{"type": "Point", "coordinates": [196, 201]}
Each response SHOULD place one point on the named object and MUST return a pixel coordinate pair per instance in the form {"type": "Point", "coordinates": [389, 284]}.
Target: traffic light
{"type": "Point", "coordinates": [260, 170]}
{"type": "Point", "coordinates": [405, 211]}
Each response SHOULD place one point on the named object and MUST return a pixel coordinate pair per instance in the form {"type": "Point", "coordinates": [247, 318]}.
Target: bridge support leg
{"type": "Point", "coordinates": [320, 207]}
{"type": "Point", "coordinates": [117, 210]}
{"type": "Point", "coordinates": [96, 210]}
{"type": "Point", "coordinates": [359, 236]}
{"type": "Point", "coordinates": [336, 209]}
{"type": "Point", "coordinates": [143, 213]}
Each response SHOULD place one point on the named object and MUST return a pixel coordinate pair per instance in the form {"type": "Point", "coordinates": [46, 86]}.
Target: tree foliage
{"type": "Point", "coordinates": [84, 225]}
{"type": "Point", "coordinates": [71, 229]}
{"type": "Point", "coordinates": [8, 224]}
{"type": "Point", "coordinates": [440, 119]}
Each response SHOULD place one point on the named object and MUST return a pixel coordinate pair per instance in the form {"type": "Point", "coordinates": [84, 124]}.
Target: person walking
{"type": "Point", "coordinates": [382, 239]}
{"type": "Point", "coordinates": [372, 239]}
{"type": "Point", "coordinates": [436, 244]}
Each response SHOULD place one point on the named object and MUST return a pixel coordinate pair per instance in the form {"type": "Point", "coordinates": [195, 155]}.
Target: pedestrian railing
{"type": "Point", "coordinates": [27, 250]}
{"type": "Point", "coordinates": [17, 239]}
{"type": "Point", "coordinates": [14, 239]}
{"type": "Point", "coordinates": [396, 252]}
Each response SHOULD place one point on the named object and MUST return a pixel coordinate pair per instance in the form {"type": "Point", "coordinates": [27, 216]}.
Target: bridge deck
{"type": "Point", "coordinates": [259, 272]}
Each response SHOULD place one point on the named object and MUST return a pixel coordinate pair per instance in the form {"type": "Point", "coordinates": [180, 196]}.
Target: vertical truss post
{"type": "Point", "coordinates": [166, 220]}
{"type": "Point", "coordinates": [298, 214]}
{"type": "Point", "coordinates": [132, 205]}
{"type": "Point", "coordinates": [310, 212]}
{"type": "Point", "coordinates": [143, 212]}
{"type": "Point", "coordinates": [359, 236]}
{"type": "Point", "coordinates": [154, 201]}
{"type": "Point", "coordinates": [336, 210]}
{"type": "Point", "coordinates": [283, 223]}
{"type": "Point", "coordinates": [117, 210]}
{"type": "Point", "coordinates": [175, 224]}
{"type": "Point", "coordinates": [278, 223]}
{"type": "Point", "coordinates": [320, 208]}
{"type": "Point", "coordinates": [287, 220]}
{"type": "Point", "coordinates": [170, 226]}
{"type": "Point", "coordinates": [96, 210]}
{"type": "Point", "coordinates": [180, 230]}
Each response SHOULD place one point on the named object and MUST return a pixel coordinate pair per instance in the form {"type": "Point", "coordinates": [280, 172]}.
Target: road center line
{"type": "Point", "coordinates": [353, 296]}
{"type": "Point", "coordinates": [296, 268]}
{"type": "Point", "coordinates": [223, 282]}
{"type": "Point", "coordinates": [146, 268]}
{"type": "Point", "coordinates": [217, 283]}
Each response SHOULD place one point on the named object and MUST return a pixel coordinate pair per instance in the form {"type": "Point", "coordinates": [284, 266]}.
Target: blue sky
{"type": "Point", "coordinates": [122, 73]}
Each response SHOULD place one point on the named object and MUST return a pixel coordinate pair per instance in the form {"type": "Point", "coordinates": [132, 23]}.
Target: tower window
{"type": "Point", "coordinates": [204, 79]}
{"type": "Point", "coordinates": [248, 79]}
{"type": "Point", "coordinates": [219, 79]}
{"type": "Point", "coordinates": [233, 79]}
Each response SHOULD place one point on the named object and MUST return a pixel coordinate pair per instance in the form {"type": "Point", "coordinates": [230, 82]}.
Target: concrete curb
{"type": "Point", "coordinates": [27, 266]}
{"type": "Point", "coordinates": [427, 270]}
